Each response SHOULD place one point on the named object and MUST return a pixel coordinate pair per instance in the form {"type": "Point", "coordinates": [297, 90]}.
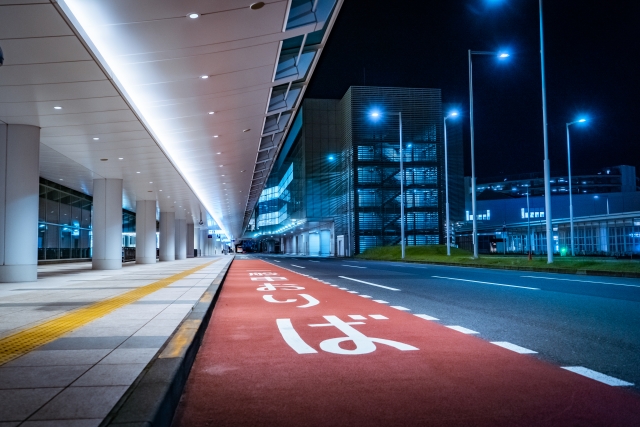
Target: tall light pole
{"type": "Point", "coordinates": [446, 181]}
{"type": "Point", "coordinates": [473, 163]}
{"type": "Point", "coordinates": [376, 115]}
{"type": "Point", "coordinates": [573, 253]}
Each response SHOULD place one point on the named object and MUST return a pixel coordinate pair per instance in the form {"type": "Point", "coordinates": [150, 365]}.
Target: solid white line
{"type": "Point", "coordinates": [381, 301]}
{"type": "Point", "coordinates": [513, 347]}
{"type": "Point", "coordinates": [583, 281]}
{"type": "Point", "coordinates": [293, 265]}
{"type": "Point", "coordinates": [463, 330]}
{"type": "Point", "coordinates": [365, 296]}
{"type": "Point", "coordinates": [486, 283]}
{"type": "Point", "coordinates": [354, 266]}
{"type": "Point", "coordinates": [399, 307]}
{"type": "Point", "coordinates": [369, 283]}
{"type": "Point", "coordinates": [378, 317]}
{"type": "Point", "coordinates": [581, 370]}
{"type": "Point", "coordinates": [425, 317]}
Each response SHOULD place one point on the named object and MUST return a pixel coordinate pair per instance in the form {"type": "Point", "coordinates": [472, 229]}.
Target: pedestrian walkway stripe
{"type": "Point", "coordinates": [606, 379]}
{"type": "Point", "coordinates": [23, 342]}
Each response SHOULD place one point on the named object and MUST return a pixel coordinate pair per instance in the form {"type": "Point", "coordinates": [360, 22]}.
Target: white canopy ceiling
{"type": "Point", "coordinates": [128, 76]}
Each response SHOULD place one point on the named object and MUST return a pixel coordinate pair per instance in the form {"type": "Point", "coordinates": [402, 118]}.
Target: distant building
{"type": "Point", "coordinates": [335, 187]}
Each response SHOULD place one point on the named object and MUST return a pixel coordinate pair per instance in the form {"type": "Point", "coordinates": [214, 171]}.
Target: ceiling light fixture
{"type": "Point", "coordinates": [193, 15]}
{"type": "Point", "coordinates": [137, 172]}
{"type": "Point", "coordinates": [215, 136]}
{"type": "Point", "coordinates": [120, 158]}
{"type": "Point", "coordinates": [204, 77]}
{"type": "Point", "coordinates": [246, 130]}
{"type": "Point", "coordinates": [57, 108]}
{"type": "Point", "coordinates": [212, 112]}
{"type": "Point", "coordinates": [96, 139]}
{"type": "Point", "coordinates": [219, 152]}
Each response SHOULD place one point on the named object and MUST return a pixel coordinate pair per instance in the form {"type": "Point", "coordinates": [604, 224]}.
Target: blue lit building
{"type": "Point", "coordinates": [335, 186]}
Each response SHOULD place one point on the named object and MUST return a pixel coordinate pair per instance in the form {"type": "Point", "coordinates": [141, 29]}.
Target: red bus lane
{"type": "Point", "coordinates": [288, 350]}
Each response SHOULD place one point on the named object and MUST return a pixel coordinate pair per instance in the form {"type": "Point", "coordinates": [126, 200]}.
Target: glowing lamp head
{"type": "Point", "coordinates": [375, 114]}
{"type": "Point", "coordinates": [503, 55]}
{"type": "Point", "coordinates": [193, 15]}
{"type": "Point", "coordinates": [582, 120]}
{"type": "Point", "coordinates": [331, 157]}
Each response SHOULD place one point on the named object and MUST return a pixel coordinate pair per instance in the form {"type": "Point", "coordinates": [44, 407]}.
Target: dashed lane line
{"type": "Point", "coordinates": [486, 283]}
{"type": "Point", "coordinates": [352, 266]}
{"type": "Point", "coordinates": [582, 281]}
{"type": "Point", "coordinates": [369, 283]}
{"type": "Point", "coordinates": [299, 266]}
{"type": "Point", "coordinates": [463, 330]}
{"type": "Point", "coordinates": [365, 296]}
{"type": "Point", "coordinates": [606, 379]}
{"type": "Point", "coordinates": [426, 317]}
{"type": "Point", "coordinates": [381, 301]}
{"type": "Point", "coordinates": [399, 307]}
{"type": "Point", "coordinates": [513, 347]}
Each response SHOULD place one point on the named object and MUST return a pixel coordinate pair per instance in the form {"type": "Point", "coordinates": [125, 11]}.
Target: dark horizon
{"type": "Point", "coordinates": [589, 72]}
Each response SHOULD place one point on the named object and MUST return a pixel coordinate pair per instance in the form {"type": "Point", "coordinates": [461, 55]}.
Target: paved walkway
{"type": "Point", "coordinates": [75, 340]}
{"type": "Point", "coordinates": [288, 349]}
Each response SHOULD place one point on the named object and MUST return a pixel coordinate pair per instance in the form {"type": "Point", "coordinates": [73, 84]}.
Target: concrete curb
{"type": "Point", "coordinates": [154, 396]}
{"type": "Point", "coordinates": [521, 268]}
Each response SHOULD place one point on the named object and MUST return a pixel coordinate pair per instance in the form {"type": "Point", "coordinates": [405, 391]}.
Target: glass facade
{"type": "Point", "coordinates": [64, 224]}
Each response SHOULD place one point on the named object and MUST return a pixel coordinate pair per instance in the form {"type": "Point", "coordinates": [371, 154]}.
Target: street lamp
{"type": "Point", "coordinates": [573, 253]}
{"type": "Point", "coordinates": [446, 181]}
{"type": "Point", "coordinates": [376, 115]}
{"type": "Point", "coordinates": [473, 163]}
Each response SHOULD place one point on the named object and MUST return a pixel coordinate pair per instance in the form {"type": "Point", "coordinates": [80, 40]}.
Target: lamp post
{"type": "Point", "coordinates": [573, 253]}
{"type": "Point", "coordinates": [473, 163]}
{"type": "Point", "coordinates": [446, 181]}
{"type": "Point", "coordinates": [375, 115]}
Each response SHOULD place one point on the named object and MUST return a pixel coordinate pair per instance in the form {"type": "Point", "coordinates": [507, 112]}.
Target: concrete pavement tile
{"type": "Point", "coordinates": [85, 343]}
{"type": "Point", "coordinates": [59, 358]}
{"type": "Point", "coordinates": [62, 423]}
{"type": "Point", "coordinates": [16, 405]}
{"type": "Point", "coordinates": [101, 375]}
{"type": "Point", "coordinates": [155, 330]}
{"type": "Point", "coordinates": [81, 403]}
{"type": "Point", "coordinates": [145, 342]}
{"type": "Point", "coordinates": [121, 356]}
{"type": "Point", "coordinates": [40, 376]}
{"type": "Point", "coordinates": [91, 331]}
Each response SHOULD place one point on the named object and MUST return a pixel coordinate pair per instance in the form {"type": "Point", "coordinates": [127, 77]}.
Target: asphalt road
{"type": "Point", "coordinates": [569, 320]}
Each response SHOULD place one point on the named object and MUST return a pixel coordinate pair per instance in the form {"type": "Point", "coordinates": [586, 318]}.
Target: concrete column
{"type": "Point", "coordinates": [197, 235]}
{"type": "Point", "coordinates": [167, 236]}
{"type": "Point", "coordinates": [19, 172]}
{"type": "Point", "coordinates": [146, 232]}
{"type": "Point", "coordinates": [107, 224]}
{"type": "Point", "coordinates": [190, 240]}
{"type": "Point", "coordinates": [181, 239]}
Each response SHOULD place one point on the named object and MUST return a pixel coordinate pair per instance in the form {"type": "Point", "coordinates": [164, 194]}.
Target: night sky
{"type": "Point", "coordinates": [592, 70]}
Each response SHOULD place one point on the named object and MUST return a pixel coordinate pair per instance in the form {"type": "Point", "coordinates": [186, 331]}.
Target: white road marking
{"type": "Point", "coordinates": [313, 261]}
{"type": "Point", "coordinates": [486, 283]}
{"type": "Point", "coordinates": [357, 317]}
{"type": "Point", "coordinates": [344, 289]}
{"type": "Point", "coordinates": [369, 283]}
{"type": "Point", "coordinates": [293, 265]}
{"type": "Point", "coordinates": [365, 296]}
{"type": "Point", "coordinates": [399, 307]}
{"type": "Point", "coordinates": [513, 347]}
{"type": "Point", "coordinates": [354, 266]}
{"type": "Point", "coordinates": [463, 330]}
{"type": "Point", "coordinates": [275, 260]}
{"type": "Point", "coordinates": [353, 292]}
{"type": "Point", "coordinates": [583, 281]}
{"type": "Point", "coordinates": [335, 286]}
{"type": "Point", "coordinates": [425, 317]}
{"type": "Point", "coordinates": [292, 338]}
{"type": "Point", "coordinates": [381, 301]}
{"type": "Point", "coordinates": [378, 317]}
{"type": "Point", "coordinates": [606, 379]}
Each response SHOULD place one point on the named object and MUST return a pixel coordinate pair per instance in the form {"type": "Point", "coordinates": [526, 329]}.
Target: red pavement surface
{"type": "Point", "coordinates": [246, 374]}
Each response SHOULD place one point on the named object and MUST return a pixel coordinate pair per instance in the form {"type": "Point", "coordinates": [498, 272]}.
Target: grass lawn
{"type": "Point", "coordinates": [438, 254]}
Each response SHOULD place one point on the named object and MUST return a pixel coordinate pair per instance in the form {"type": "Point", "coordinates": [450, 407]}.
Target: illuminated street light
{"type": "Point", "coordinates": [573, 253]}
{"type": "Point", "coordinates": [376, 115]}
{"type": "Point", "coordinates": [446, 181]}
{"type": "Point", "coordinates": [473, 163]}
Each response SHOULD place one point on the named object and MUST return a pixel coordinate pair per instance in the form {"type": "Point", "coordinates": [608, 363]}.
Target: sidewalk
{"type": "Point", "coordinates": [73, 342]}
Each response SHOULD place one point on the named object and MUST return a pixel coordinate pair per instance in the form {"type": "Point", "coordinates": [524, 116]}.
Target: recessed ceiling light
{"type": "Point", "coordinates": [221, 165]}
{"type": "Point", "coordinates": [103, 160]}
{"type": "Point", "coordinates": [137, 172]}
{"type": "Point", "coordinates": [57, 108]}
{"type": "Point", "coordinates": [159, 190]}
{"type": "Point", "coordinates": [204, 77]}
{"type": "Point", "coordinates": [150, 182]}
{"type": "Point", "coordinates": [246, 130]}
{"type": "Point", "coordinates": [256, 6]}
{"type": "Point", "coordinates": [193, 15]}
{"type": "Point", "coordinates": [61, 179]}
{"type": "Point", "coordinates": [215, 136]}
{"type": "Point", "coordinates": [243, 171]}
{"type": "Point", "coordinates": [120, 158]}
{"type": "Point", "coordinates": [219, 152]}
{"type": "Point", "coordinates": [212, 112]}
{"type": "Point", "coordinates": [96, 139]}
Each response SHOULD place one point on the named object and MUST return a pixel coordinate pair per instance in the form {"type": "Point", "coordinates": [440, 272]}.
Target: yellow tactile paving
{"type": "Point", "coordinates": [27, 340]}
